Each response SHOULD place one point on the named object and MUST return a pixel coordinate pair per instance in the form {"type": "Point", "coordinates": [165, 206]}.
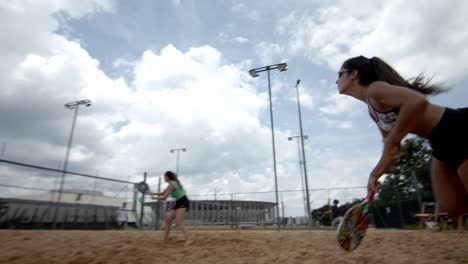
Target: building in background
{"type": "Point", "coordinates": [78, 209]}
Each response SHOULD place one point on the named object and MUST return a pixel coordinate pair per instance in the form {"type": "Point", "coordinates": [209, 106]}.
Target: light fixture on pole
{"type": "Point", "coordinates": [254, 73]}
{"type": "Point", "coordinates": [309, 222]}
{"type": "Point", "coordinates": [299, 155]}
{"type": "Point", "coordinates": [178, 157]}
{"type": "Point", "coordinates": [72, 105]}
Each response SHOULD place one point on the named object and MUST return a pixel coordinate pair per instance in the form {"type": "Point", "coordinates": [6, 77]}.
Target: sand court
{"type": "Point", "coordinates": [244, 246]}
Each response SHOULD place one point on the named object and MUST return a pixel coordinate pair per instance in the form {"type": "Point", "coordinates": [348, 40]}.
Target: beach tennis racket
{"type": "Point", "coordinates": [352, 228]}
{"type": "Point", "coordinates": [143, 187]}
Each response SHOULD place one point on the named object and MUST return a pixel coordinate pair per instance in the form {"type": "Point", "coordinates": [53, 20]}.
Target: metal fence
{"type": "Point", "coordinates": [31, 197]}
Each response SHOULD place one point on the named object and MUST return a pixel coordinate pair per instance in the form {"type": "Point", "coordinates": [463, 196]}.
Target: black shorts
{"type": "Point", "coordinates": [449, 138]}
{"type": "Point", "coordinates": [182, 202]}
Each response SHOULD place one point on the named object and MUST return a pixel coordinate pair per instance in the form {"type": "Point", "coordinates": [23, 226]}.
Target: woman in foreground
{"type": "Point", "coordinates": [400, 107]}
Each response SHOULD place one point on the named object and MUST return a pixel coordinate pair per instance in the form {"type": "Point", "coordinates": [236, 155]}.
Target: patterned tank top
{"type": "Point", "coordinates": [385, 120]}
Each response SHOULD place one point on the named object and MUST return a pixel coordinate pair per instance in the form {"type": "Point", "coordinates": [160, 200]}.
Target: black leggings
{"type": "Point", "coordinates": [449, 138]}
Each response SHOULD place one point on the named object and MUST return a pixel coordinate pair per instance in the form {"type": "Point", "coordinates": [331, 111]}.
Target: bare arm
{"type": "Point", "coordinates": [163, 196]}
{"type": "Point", "coordinates": [153, 193]}
{"type": "Point", "coordinates": [384, 163]}
{"type": "Point", "coordinates": [411, 104]}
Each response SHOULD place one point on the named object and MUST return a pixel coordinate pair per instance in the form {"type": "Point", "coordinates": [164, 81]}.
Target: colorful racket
{"type": "Point", "coordinates": [353, 227]}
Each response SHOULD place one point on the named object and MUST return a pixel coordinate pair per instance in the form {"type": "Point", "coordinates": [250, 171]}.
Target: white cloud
{"type": "Point", "coordinates": [122, 62]}
{"type": "Point", "coordinates": [339, 104]}
{"type": "Point", "coordinates": [177, 99]}
{"type": "Point", "coordinates": [307, 100]}
{"type": "Point", "coordinates": [269, 53]}
{"type": "Point", "coordinates": [225, 37]}
{"type": "Point", "coordinates": [252, 14]}
{"type": "Point", "coordinates": [241, 40]}
{"type": "Point", "coordinates": [337, 123]}
{"type": "Point", "coordinates": [415, 37]}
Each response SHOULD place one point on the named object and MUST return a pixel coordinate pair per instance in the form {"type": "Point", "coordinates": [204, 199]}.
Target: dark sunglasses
{"type": "Point", "coordinates": [340, 73]}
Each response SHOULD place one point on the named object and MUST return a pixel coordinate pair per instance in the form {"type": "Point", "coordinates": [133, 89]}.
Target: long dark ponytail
{"type": "Point", "coordinates": [173, 177]}
{"type": "Point", "coordinates": [375, 69]}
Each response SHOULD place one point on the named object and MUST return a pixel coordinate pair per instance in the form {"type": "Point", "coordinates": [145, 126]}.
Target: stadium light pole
{"type": "Point", "coordinates": [72, 105]}
{"type": "Point", "coordinates": [304, 161]}
{"type": "Point", "coordinates": [299, 155]}
{"type": "Point", "coordinates": [254, 73]}
{"type": "Point", "coordinates": [178, 157]}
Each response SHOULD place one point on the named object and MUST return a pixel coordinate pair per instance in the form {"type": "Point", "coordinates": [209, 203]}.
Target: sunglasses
{"type": "Point", "coordinates": [340, 73]}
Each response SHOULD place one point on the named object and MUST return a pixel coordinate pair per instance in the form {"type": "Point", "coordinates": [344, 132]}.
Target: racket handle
{"type": "Point", "coordinates": [370, 196]}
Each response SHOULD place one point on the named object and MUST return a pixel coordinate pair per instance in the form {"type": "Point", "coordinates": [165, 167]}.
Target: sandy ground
{"type": "Point", "coordinates": [245, 246]}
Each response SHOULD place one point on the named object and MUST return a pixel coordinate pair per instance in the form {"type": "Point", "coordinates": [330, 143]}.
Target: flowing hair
{"type": "Point", "coordinates": [375, 69]}
{"type": "Point", "coordinates": [173, 177]}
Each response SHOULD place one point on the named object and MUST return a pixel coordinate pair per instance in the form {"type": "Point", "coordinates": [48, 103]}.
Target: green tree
{"type": "Point", "coordinates": [409, 178]}
{"type": "Point", "coordinates": [318, 214]}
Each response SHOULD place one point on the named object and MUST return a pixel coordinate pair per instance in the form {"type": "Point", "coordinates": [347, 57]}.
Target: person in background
{"type": "Point", "coordinates": [182, 205]}
{"type": "Point", "coordinates": [122, 217]}
{"type": "Point", "coordinates": [336, 213]}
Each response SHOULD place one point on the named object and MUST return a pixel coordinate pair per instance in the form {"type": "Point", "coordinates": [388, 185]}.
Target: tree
{"type": "Point", "coordinates": [409, 178]}
{"type": "Point", "coordinates": [324, 218]}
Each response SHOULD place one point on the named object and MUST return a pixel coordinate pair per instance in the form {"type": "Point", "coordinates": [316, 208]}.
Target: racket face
{"type": "Point", "coordinates": [353, 227]}
{"type": "Point", "coordinates": [142, 187]}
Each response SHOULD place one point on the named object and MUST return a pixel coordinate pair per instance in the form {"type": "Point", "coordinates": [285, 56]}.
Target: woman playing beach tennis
{"type": "Point", "coordinates": [182, 205]}
{"type": "Point", "coordinates": [400, 107]}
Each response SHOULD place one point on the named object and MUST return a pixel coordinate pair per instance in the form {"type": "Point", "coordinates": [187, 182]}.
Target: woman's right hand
{"type": "Point", "coordinates": [373, 185]}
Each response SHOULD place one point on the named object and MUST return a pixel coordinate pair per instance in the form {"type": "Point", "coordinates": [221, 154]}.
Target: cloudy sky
{"type": "Point", "coordinates": [174, 74]}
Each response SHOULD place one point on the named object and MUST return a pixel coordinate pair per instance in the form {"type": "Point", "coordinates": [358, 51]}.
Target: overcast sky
{"type": "Point", "coordinates": [174, 74]}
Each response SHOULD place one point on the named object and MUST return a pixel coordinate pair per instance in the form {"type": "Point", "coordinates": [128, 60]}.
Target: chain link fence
{"type": "Point", "coordinates": [32, 197]}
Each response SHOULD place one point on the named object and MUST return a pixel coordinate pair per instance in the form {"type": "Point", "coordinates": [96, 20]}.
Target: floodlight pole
{"type": "Point", "coordinates": [309, 222]}
{"type": "Point", "coordinates": [299, 154]}
{"type": "Point", "coordinates": [254, 73]}
{"type": "Point", "coordinates": [178, 157]}
{"type": "Point", "coordinates": [72, 105]}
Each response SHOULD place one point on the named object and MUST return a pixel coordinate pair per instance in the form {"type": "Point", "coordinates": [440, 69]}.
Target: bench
{"type": "Point", "coordinates": [434, 216]}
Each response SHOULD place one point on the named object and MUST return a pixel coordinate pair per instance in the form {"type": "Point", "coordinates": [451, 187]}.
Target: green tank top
{"type": "Point", "coordinates": [178, 192]}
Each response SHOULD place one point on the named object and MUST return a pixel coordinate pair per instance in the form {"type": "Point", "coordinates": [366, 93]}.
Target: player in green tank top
{"type": "Point", "coordinates": [182, 205]}
{"type": "Point", "coordinates": [178, 192]}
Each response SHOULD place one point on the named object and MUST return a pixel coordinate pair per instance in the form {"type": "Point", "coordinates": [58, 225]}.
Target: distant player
{"type": "Point", "coordinates": [122, 217]}
{"type": "Point", "coordinates": [336, 213]}
{"type": "Point", "coordinates": [182, 205]}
